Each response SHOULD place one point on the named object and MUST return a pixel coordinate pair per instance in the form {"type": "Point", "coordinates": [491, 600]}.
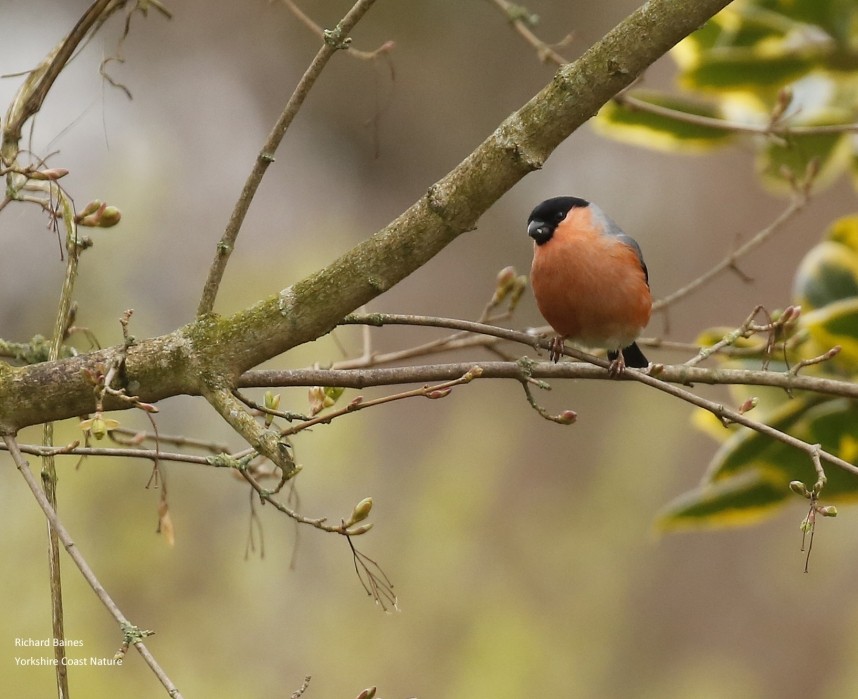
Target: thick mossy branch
{"type": "Point", "coordinates": [180, 362]}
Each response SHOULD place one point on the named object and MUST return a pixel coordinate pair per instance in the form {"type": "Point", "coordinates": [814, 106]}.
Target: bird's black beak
{"type": "Point", "coordinates": [540, 231]}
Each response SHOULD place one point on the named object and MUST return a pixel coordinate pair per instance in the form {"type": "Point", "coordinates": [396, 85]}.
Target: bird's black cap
{"type": "Point", "coordinates": [545, 217]}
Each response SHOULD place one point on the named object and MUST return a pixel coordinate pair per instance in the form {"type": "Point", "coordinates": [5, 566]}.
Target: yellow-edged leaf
{"type": "Point", "coordinates": [835, 324]}
{"type": "Point", "coordinates": [779, 164]}
{"type": "Point", "coordinates": [741, 500]}
{"type": "Point", "coordinates": [747, 68]}
{"type": "Point", "coordinates": [828, 273]}
{"type": "Point", "coordinates": [747, 449]}
{"type": "Point", "coordinates": [845, 231]}
{"type": "Point", "coordinates": [640, 127]}
{"type": "Point", "coordinates": [733, 27]}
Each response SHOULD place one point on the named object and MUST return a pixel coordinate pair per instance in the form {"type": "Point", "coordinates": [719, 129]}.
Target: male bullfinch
{"type": "Point", "coordinates": [589, 280]}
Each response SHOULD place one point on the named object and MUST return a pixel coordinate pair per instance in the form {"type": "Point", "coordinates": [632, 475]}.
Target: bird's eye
{"type": "Point", "coordinates": [559, 216]}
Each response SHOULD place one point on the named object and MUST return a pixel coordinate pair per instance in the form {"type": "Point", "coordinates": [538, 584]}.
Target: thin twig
{"type": "Point", "coordinates": [717, 409]}
{"type": "Point", "coordinates": [729, 262]}
{"type": "Point", "coordinates": [49, 472]}
{"type": "Point", "coordinates": [423, 373]}
{"type": "Point", "coordinates": [334, 40]}
{"type": "Point", "coordinates": [302, 17]}
{"type": "Point", "coordinates": [135, 437]}
{"type": "Point", "coordinates": [83, 566]}
{"type": "Point", "coordinates": [29, 99]}
{"type": "Point", "coordinates": [320, 523]}
{"type": "Point", "coordinates": [775, 127]}
{"type": "Point", "coordinates": [438, 391]}
{"type": "Point", "coordinates": [546, 53]}
{"type": "Point", "coordinates": [728, 415]}
{"type": "Point", "coordinates": [374, 579]}
{"type": "Point", "coordinates": [769, 129]}
{"type": "Point", "coordinates": [148, 454]}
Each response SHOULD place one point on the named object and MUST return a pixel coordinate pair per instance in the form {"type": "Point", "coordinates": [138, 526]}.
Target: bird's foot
{"type": "Point", "coordinates": [617, 366]}
{"type": "Point", "coordinates": [555, 351]}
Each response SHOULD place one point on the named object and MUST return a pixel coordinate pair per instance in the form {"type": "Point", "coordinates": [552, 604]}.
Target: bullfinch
{"type": "Point", "coordinates": [589, 280]}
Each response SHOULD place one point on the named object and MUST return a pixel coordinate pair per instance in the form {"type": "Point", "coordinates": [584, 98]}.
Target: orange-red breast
{"type": "Point", "coordinates": [589, 280]}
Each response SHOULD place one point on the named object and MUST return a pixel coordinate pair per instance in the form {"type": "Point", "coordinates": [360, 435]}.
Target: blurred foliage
{"type": "Point", "coordinates": [775, 69]}
{"type": "Point", "coordinates": [780, 73]}
{"type": "Point", "coordinates": [750, 474]}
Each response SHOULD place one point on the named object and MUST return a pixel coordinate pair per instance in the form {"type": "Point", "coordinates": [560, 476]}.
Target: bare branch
{"type": "Point", "coordinates": [302, 17]}
{"type": "Point", "coordinates": [782, 130]}
{"type": "Point", "coordinates": [32, 94]}
{"type": "Point", "coordinates": [437, 391]}
{"type": "Point", "coordinates": [334, 40]}
{"type": "Point", "coordinates": [776, 126]}
{"type": "Point", "coordinates": [181, 361]}
{"type": "Point", "coordinates": [679, 374]}
{"type": "Point", "coordinates": [260, 439]}
{"type": "Point", "coordinates": [75, 449]}
{"type": "Point", "coordinates": [729, 262]}
{"type": "Point", "coordinates": [83, 566]}
{"type": "Point", "coordinates": [517, 19]}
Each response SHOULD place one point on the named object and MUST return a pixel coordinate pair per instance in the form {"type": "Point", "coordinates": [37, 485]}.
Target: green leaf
{"type": "Point", "coordinates": [640, 127]}
{"type": "Point", "coordinates": [835, 324]}
{"type": "Point", "coordinates": [747, 69]}
{"type": "Point", "coordinates": [741, 500]}
{"type": "Point", "coordinates": [747, 448]}
{"type": "Point", "coordinates": [733, 27]}
{"type": "Point", "coordinates": [828, 273]}
{"type": "Point", "coordinates": [845, 231]}
{"type": "Point", "coordinates": [836, 17]}
{"type": "Point", "coordinates": [779, 163]}
{"type": "Point", "coordinates": [832, 424]}
{"type": "Point", "coordinates": [749, 476]}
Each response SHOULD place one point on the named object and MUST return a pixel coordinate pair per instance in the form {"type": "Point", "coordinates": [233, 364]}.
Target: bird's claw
{"type": "Point", "coordinates": [617, 367]}
{"type": "Point", "coordinates": [555, 351]}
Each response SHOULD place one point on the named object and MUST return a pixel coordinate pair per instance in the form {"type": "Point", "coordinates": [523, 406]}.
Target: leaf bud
{"type": "Point", "coordinates": [360, 512]}
{"type": "Point", "coordinates": [316, 397]}
{"type": "Point", "coordinates": [52, 174]}
{"type": "Point", "coordinates": [749, 404]}
{"type": "Point", "coordinates": [799, 488]}
{"type": "Point", "coordinates": [109, 217]}
{"type": "Point", "coordinates": [567, 417]}
{"type": "Point", "coordinates": [439, 393]}
{"type": "Point", "coordinates": [90, 208]}
{"type": "Point", "coordinates": [361, 529]}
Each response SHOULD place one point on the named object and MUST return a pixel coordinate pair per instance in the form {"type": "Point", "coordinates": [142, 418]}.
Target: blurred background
{"type": "Point", "coordinates": [522, 551]}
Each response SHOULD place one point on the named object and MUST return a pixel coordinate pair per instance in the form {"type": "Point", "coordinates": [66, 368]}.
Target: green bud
{"type": "Point", "coordinates": [517, 290]}
{"type": "Point", "coordinates": [361, 511]}
{"type": "Point", "coordinates": [98, 425]}
{"type": "Point", "coordinates": [503, 285]}
{"type": "Point", "coordinates": [828, 511]}
{"type": "Point", "coordinates": [90, 208]}
{"type": "Point", "coordinates": [473, 373]}
{"type": "Point", "coordinates": [271, 401]}
{"type": "Point", "coordinates": [357, 531]}
{"type": "Point", "coordinates": [799, 488]}
{"type": "Point", "coordinates": [109, 217]}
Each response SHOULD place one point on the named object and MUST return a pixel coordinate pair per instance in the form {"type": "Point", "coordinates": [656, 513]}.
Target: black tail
{"type": "Point", "coordinates": [633, 356]}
